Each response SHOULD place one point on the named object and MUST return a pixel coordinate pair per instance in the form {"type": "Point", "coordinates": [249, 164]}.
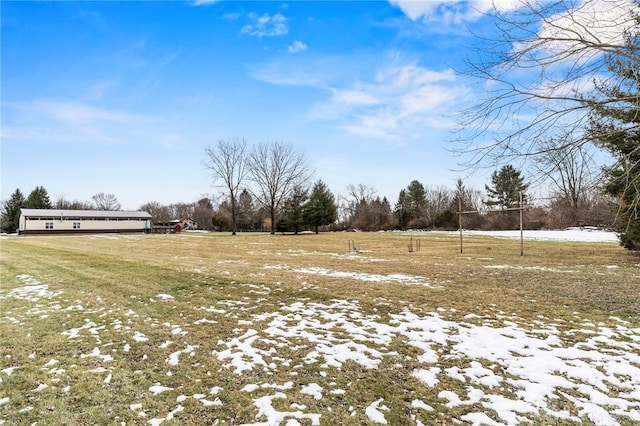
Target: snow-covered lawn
{"type": "Point", "coordinates": [491, 362]}
{"type": "Point", "coordinates": [572, 234]}
{"type": "Point", "coordinates": [257, 354]}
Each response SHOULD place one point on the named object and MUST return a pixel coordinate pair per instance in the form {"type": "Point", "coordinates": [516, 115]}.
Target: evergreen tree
{"type": "Point", "coordinates": [459, 200]}
{"type": "Point", "coordinates": [246, 211]}
{"type": "Point", "coordinates": [381, 210]}
{"type": "Point", "coordinates": [321, 207]}
{"type": "Point", "coordinates": [417, 204]}
{"type": "Point", "coordinates": [615, 125]}
{"type": "Point", "coordinates": [293, 215]}
{"type": "Point", "coordinates": [401, 210]}
{"type": "Point", "coordinates": [505, 189]}
{"type": "Point", "coordinates": [11, 212]}
{"type": "Point", "coordinates": [38, 199]}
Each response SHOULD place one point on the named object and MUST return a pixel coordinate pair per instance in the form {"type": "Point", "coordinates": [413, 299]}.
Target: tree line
{"type": "Point", "coordinates": [315, 207]}
{"type": "Point", "coordinates": [261, 193]}
{"type": "Point", "coordinates": [39, 199]}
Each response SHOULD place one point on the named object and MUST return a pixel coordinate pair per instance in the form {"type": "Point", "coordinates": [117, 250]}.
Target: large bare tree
{"type": "Point", "coordinates": [539, 73]}
{"type": "Point", "coordinates": [226, 160]}
{"type": "Point", "coordinates": [276, 168]}
{"type": "Point", "coordinates": [102, 201]}
{"type": "Point", "coordinates": [570, 169]}
{"type": "Point", "coordinates": [357, 195]}
{"type": "Point", "coordinates": [438, 201]}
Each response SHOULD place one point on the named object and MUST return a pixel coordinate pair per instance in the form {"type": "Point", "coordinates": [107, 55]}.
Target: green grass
{"type": "Point", "coordinates": [109, 292]}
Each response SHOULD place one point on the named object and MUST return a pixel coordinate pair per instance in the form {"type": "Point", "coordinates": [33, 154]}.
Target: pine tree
{"type": "Point", "coordinates": [321, 207]}
{"type": "Point", "coordinates": [507, 184]}
{"type": "Point", "coordinates": [381, 210]}
{"type": "Point", "coordinates": [11, 212]}
{"type": "Point", "coordinates": [417, 204]}
{"type": "Point", "coordinates": [468, 199]}
{"type": "Point", "coordinates": [615, 125]}
{"type": "Point", "coordinates": [401, 210]}
{"type": "Point", "coordinates": [460, 197]}
{"type": "Point", "coordinates": [293, 216]}
{"type": "Point", "coordinates": [38, 199]}
{"type": "Point", "coordinates": [246, 211]}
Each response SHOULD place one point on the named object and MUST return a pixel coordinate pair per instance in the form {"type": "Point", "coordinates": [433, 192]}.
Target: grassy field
{"type": "Point", "coordinates": [202, 328]}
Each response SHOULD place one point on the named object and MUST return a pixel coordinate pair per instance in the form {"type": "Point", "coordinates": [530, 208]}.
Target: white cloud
{"type": "Point", "coordinates": [204, 2]}
{"type": "Point", "coordinates": [562, 51]}
{"type": "Point", "coordinates": [355, 96]}
{"type": "Point", "coordinates": [297, 46]}
{"type": "Point", "coordinates": [400, 103]}
{"type": "Point", "coordinates": [452, 11]}
{"type": "Point", "coordinates": [232, 16]}
{"type": "Point", "coordinates": [306, 70]}
{"type": "Point", "coordinates": [597, 22]}
{"type": "Point", "coordinates": [416, 9]}
{"type": "Point", "coordinates": [266, 25]}
{"type": "Point", "coordinates": [372, 95]}
{"type": "Point", "coordinates": [54, 120]}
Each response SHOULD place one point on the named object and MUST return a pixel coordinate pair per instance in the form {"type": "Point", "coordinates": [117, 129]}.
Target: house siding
{"type": "Point", "coordinates": [38, 221]}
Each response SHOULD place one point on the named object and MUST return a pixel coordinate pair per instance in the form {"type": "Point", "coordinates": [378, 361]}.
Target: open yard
{"type": "Point", "coordinates": [199, 328]}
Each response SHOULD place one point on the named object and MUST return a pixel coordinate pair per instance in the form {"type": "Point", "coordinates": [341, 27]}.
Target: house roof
{"type": "Point", "coordinates": [85, 213]}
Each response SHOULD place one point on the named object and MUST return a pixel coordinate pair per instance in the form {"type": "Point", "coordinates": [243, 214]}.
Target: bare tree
{"type": "Point", "coordinates": [63, 204]}
{"type": "Point", "coordinates": [540, 72]}
{"type": "Point", "coordinates": [203, 213]}
{"type": "Point", "coordinates": [182, 210]}
{"type": "Point", "coordinates": [103, 201]}
{"type": "Point", "coordinates": [356, 197]}
{"type": "Point", "coordinates": [438, 201]}
{"type": "Point", "coordinates": [570, 170]}
{"type": "Point", "coordinates": [466, 200]}
{"type": "Point", "coordinates": [276, 168]}
{"type": "Point", "coordinates": [227, 164]}
{"type": "Point", "coordinates": [159, 212]}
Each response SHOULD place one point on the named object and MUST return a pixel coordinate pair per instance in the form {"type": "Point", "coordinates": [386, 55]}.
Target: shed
{"type": "Point", "coordinates": [54, 221]}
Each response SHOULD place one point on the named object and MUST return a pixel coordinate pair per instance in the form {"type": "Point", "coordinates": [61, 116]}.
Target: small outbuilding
{"type": "Point", "coordinates": [52, 221]}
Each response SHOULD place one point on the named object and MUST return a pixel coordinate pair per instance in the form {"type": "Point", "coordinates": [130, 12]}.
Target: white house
{"type": "Point", "coordinates": [52, 221]}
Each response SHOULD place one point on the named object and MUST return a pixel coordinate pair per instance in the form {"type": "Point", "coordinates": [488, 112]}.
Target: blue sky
{"type": "Point", "coordinates": [123, 97]}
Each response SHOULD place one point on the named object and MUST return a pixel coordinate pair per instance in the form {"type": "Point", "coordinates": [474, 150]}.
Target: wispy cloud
{"type": "Point", "coordinates": [318, 71]}
{"type": "Point", "coordinates": [266, 25]}
{"type": "Point", "coordinates": [401, 103]}
{"type": "Point", "coordinates": [376, 96]}
{"type": "Point", "coordinates": [297, 47]}
{"type": "Point", "coordinates": [595, 22]}
{"type": "Point", "coordinates": [204, 2]}
{"type": "Point", "coordinates": [452, 11]}
{"type": "Point", "coordinates": [55, 120]}
{"type": "Point", "coordinates": [232, 16]}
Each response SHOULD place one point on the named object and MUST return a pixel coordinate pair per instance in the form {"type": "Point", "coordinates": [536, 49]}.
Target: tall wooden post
{"type": "Point", "coordinates": [521, 230]}
{"type": "Point", "coordinates": [460, 219]}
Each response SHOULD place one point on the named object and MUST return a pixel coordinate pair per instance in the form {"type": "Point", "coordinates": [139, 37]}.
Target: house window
{"type": "Point", "coordinates": [48, 225]}
{"type": "Point", "coordinates": [76, 225]}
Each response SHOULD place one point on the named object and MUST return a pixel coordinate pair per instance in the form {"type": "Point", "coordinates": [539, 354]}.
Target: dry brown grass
{"type": "Point", "coordinates": [116, 280]}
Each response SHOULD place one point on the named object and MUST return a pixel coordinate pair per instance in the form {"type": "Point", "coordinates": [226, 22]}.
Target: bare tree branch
{"type": "Point", "coordinates": [276, 168]}
{"type": "Point", "coordinates": [539, 73]}
{"type": "Point", "coordinates": [227, 163]}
